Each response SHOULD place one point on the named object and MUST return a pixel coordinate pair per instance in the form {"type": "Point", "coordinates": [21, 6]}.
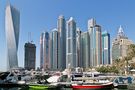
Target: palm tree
{"type": "Point", "coordinates": [130, 55]}
{"type": "Point", "coordinates": [121, 63]}
{"type": "Point", "coordinates": [116, 62]}
{"type": "Point", "coordinates": [131, 50]}
{"type": "Point", "coordinates": [126, 64]}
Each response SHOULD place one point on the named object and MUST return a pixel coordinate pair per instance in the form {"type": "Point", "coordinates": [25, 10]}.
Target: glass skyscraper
{"type": "Point", "coordinates": [61, 26]}
{"type": "Point", "coordinates": [85, 48]}
{"type": "Point", "coordinates": [71, 44]}
{"type": "Point", "coordinates": [54, 49]}
{"type": "Point", "coordinates": [95, 43]}
{"type": "Point", "coordinates": [12, 25]}
{"type": "Point", "coordinates": [44, 51]}
{"type": "Point", "coordinates": [105, 48]}
{"type": "Point", "coordinates": [78, 46]}
{"type": "Point", "coordinates": [41, 51]}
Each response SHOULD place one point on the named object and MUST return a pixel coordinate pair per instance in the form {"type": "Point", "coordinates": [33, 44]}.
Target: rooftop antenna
{"type": "Point", "coordinates": [8, 2]}
{"type": "Point", "coordinates": [29, 37]}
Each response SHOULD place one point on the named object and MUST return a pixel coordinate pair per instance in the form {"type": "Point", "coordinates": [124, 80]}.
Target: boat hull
{"type": "Point", "coordinates": [108, 86]}
{"type": "Point", "coordinates": [41, 87]}
{"type": "Point", "coordinates": [11, 85]}
{"type": "Point", "coordinates": [38, 86]}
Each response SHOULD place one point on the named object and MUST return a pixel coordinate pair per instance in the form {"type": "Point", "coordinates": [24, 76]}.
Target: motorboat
{"type": "Point", "coordinates": [9, 79]}
{"type": "Point", "coordinates": [90, 82]}
{"type": "Point", "coordinates": [38, 86]}
{"type": "Point", "coordinates": [90, 85]}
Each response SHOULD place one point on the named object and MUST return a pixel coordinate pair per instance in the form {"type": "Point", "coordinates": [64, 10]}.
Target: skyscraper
{"type": "Point", "coordinates": [44, 51]}
{"type": "Point", "coordinates": [61, 26]}
{"type": "Point", "coordinates": [54, 49]}
{"type": "Point", "coordinates": [71, 44]}
{"type": "Point", "coordinates": [95, 43]}
{"type": "Point", "coordinates": [41, 51]}
{"type": "Point", "coordinates": [30, 56]}
{"type": "Point", "coordinates": [12, 24]}
{"type": "Point", "coordinates": [120, 45]}
{"type": "Point", "coordinates": [105, 48]}
{"type": "Point", "coordinates": [78, 48]}
{"type": "Point", "coordinates": [85, 46]}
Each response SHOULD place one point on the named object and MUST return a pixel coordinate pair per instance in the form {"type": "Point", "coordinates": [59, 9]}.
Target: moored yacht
{"type": "Point", "coordinates": [91, 85]}
{"type": "Point", "coordinates": [9, 79]}
{"type": "Point", "coordinates": [90, 81]}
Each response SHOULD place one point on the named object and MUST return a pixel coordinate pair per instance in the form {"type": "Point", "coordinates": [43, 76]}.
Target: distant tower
{"type": "Point", "coordinates": [120, 45]}
{"type": "Point", "coordinates": [41, 51]}
{"type": "Point", "coordinates": [78, 48]}
{"type": "Point", "coordinates": [95, 43]}
{"type": "Point", "coordinates": [44, 51]}
{"type": "Point", "coordinates": [85, 48]}
{"type": "Point", "coordinates": [54, 49]}
{"type": "Point", "coordinates": [71, 43]}
{"type": "Point", "coordinates": [30, 56]}
{"type": "Point", "coordinates": [105, 48]}
{"type": "Point", "coordinates": [61, 26]}
{"type": "Point", "coordinates": [12, 25]}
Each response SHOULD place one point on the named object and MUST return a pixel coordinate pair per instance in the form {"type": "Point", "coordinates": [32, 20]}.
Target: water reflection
{"type": "Point", "coordinates": [10, 88]}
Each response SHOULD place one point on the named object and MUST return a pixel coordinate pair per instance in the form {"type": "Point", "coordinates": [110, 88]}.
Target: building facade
{"type": "Point", "coordinates": [120, 45]}
{"type": "Point", "coordinates": [41, 51]}
{"type": "Point", "coordinates": [85, 41]}
{"type": "Point", "coordinates": [30, 56]}
{"type": "Point", "coordinates": [12, 29]}
{"type": "Point", "coordinates": [71, 44]}
{"type": "Point", "coordinates": [61, 26]}
{"type": "Point", "coordinates": [78, 48]}
{"type": "Point", "coordinates": [95, 43]}
{"type": "Point", "coordinates": [105, 48]}
{"type": "Point", "coordinates": [44, 51]}
{"type": "Point", "coordinates": [54, 49]}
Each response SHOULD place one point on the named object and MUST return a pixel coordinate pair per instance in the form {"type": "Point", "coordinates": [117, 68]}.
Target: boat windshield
{"type": "Point", "coordinates": [3, 75]}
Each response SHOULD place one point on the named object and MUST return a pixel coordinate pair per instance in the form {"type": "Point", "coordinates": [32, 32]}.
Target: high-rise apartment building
{"type": "Point", "coordinates": [30, 56]}
{"type": "Point", "coordinates": [78, 48]}
{"type": "Point", "coordinates": [120, 45]}
{"type": "Point", "coordinates": [12, 29]}
{"type": "Point", "coordinates": [61, 26]}
{"type": "Point", "coordinates": [71, 44]}
{"type": "Point", "coordinates": [85, 48]}
{"type": "Point", "coordinates": [105, 48]}
{"type": "Point", "coordinates": [44, 51]}
{"type": "Point", "coordinates": [95, 43]}
{"type": "Point", "coordinates": [41, 51]}
{"type": "Point", "coordinates": [54, 49]}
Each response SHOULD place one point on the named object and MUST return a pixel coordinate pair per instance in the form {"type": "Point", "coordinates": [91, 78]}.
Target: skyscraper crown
{"type": "Point", "coordinates": [91, 23]}
{"type": "Point", "coordinates": [61, 16]}
{"type": "Point", "coordinates": [71, 19]}
{"type": "Point", "coordinates": [120, 32]}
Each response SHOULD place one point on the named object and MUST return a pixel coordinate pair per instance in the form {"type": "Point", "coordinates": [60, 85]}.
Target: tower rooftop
{"type": "Point", "coordinates": [121, 33]}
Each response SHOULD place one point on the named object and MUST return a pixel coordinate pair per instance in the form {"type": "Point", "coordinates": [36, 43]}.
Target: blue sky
{"type": "Point", "coordinates": [41, 15]}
